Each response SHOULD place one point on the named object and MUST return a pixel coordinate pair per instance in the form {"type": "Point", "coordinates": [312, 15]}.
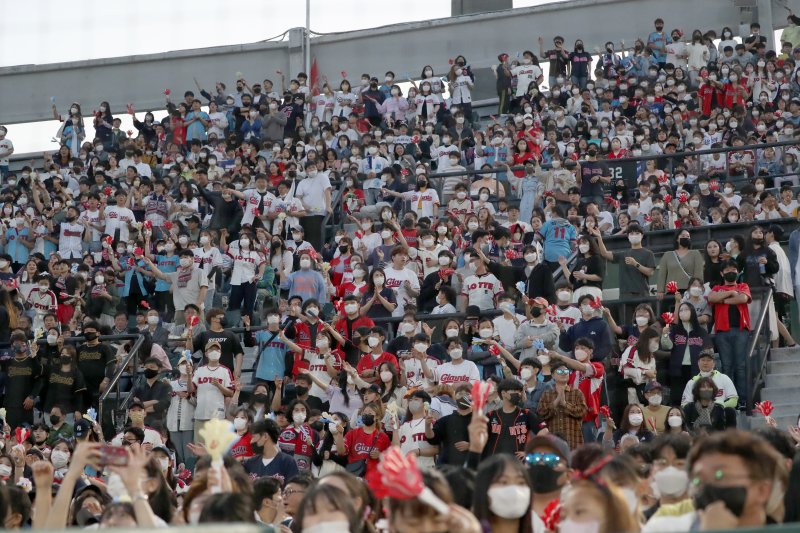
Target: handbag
{"type": "Point", "coordinates": [359, 468]}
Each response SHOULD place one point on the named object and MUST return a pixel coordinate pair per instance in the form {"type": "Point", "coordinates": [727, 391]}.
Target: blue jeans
{"type": "Point", "coordinates": [589, 432]}
{"type": "Point", "coordinates": [580, 81]}
{"type": "Point", "coordinates": [732, 349]}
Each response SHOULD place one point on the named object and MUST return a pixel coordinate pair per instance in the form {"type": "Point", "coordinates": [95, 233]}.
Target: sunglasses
{"type": "Point", "coordinates": [562, 371]}
{"type": "Point", "coordinates": [548, 459]}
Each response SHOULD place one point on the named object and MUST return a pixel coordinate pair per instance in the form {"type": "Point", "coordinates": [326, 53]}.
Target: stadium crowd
{"type": "Point", "coordinates": [385, 252]}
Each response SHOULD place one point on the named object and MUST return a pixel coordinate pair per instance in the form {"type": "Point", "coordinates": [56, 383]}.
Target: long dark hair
{"type": "Point", "coordinates": [325, 497]}
{"type": "Point", "coordinates": [490, 470]}
{"type": "Point", "coordinates": [161, 500]}
{"type": "Point", "coordinates": [693, 319]}
{"type": "Point", "coordinates": [643, 344]}
{"type": "Point", "coordinates": [370, 283]}
{"type": "Point", "coordinates": [387, 393]}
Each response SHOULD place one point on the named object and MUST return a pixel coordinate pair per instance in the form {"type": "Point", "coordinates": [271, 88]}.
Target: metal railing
{"type": "Point", "coordinates": [121, 404]}
{"type": "Point", "coordinates": [758, 352]}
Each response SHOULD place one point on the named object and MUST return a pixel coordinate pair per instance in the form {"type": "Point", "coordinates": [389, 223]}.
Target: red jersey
{"type": "Point", "coordinates": [706, 95]}
{"type": "Point", "coordinates": [410, 236]}
{"type": "Point", "coordinates": [348, 288]}
{"type": "Point", "coordinates": [303, 332]}
{"type": "Point", "coordinates": [242, 447]}
{"type": "Point", "coordinates": [357, 445]}
{"type": "Point", "coordinates": [293, 441]}
{"type": "Point", "coordinates": [721, 316]}
{"type": "Point", "coordinates": [367, 362]}
{"type": "Point", "coordinates": [336, 275]}
{"type": "Point", "coordinates": [345, 326]}
{"type": "Point", "coordinates": [590, 386]}
{"type": "Point", "coordinates": [178, 131]}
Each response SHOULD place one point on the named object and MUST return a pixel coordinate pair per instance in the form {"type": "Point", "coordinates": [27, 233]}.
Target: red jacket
{"type": "Point", "coordinates": [367, 362]}
{"type": "Point", "coordinates": [360, 322]}
{"type": "Point", "coordinates": [721, 322]}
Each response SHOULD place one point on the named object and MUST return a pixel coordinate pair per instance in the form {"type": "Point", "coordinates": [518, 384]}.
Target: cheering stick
{"type": "Point", "coordinates": [398, 477]}
{"type": "Point", "coordinates": [765, 408]}
{"type": "Point", "coordinates": [480, 394]}
{"type": "Point", "coordinates": [218, 436]}
{"type": "Point", "coordinates": [672, 287]}
{"type": "Point", "coordinates": [668, 317]}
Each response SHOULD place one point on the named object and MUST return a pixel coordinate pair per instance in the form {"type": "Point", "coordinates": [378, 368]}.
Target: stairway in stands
{"type": "Point", "coordinates": [782, 387]}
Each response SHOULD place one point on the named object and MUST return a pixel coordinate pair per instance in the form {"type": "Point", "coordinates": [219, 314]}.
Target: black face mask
{"type": "Point", "coordinates": [91, 336]}
{"type": "Point", "coordinates": [536, 312]}
{"type": "Point", "coordinates": [258, 449]}
{"type": "Point", "coordinates": [686, 242]}
{"type": "Point", "coordinates": [368, 420]}
{"type": "Point", "coordinates": [65, 360]}
{"type": "Point", "coordinates": [515, 398]}
{"type": "Point", "coordinates": [592, 153]}
{"type": "Point", "coordinates": [544, 478]}
{"type": "Point", "coordinates": [150, 373]}
{"type": "Point", "coordinates": [733, 497]}
{"type": "Point", "coordinates": [260, 399]}
{"type": "Point", "coordinates": [300, 390]}
{"type": "Point", "coordinates": [464, 403]}
{"type": "Point", "coordinates": [422, 184]}
{"type": "Point", "coordinates": [317, 426]}
{"type": "Point", "coordinates": [343, 249]}
{"type": "Point", "coordinates": [55, 419]}
{"type": "Point", "coordinates": [730, 276]}
{"type": "Point", "coordinates": [757, 242]}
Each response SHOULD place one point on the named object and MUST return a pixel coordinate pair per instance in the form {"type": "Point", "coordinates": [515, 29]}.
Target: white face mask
{"type": "Point", "coordinates": [563, 296]}
{"type": "Point", "coordinates": [581, 355]}
{"type": "Point", "coordinates": [339, 526]}
{"type": "Point", "coordinates": [635, 419]}
{"type": "Point", "coordinates": [186, 262]}
{"type": "Point", "coordinates": [509, 501]}
{"type": "Point", "coordinates": [152, 320]}
{"type": "Point", "coordinates": [452, 332]}
{"type": "Point", "coordinates": [239, 423]}
{"type": "Point", "coordinates": [214, 355]}
{"type": "Point", "coordinates": [421, 347]}
{"type": "Point", "coordinates": [655, 400]}
{"type": "Point", "coordinates": [531, 257]}
{"type": "Point", "coordinates": [587, 309]}
{"type": "Point", "coordinates": [635, 238]}
{"type": "Point", "coordinates": [526, 373]}
{"type": "Point", "coordinates": [322, 343]}
{"type": "Point", "coordinates": [641, 321]}
{"type": "Point", "coordinates": [456, 353]}
{"type": "Point", "coordinates": [59, 458]}
{"type": "Point", "coordinates": [351, 308]}
{"type": "Point", "coordinates": [373, 341]}
{"type": "Point", "coordinates": [675, 421]}
{"type": "Point", "coordinates": [571, 526]}
{"type": "Point", "coordinates": [51, 339]}
{"type": "Point", "coordinates": [305, 263]}
{"type": "Point", "coordinates": [378, 281]}
{"type": "Point", "coordinates": [695, 291]}
{"type": "Point", "coordinates": [672, 481]}
{"type": "Point", "coordinates": [485, 333]}
{"type": "Point", "coordinates": [298, 417]}
{"type": "Point", "coordinates": [386, 376]}
{"type": "Point", "coordinates": [583, 248]}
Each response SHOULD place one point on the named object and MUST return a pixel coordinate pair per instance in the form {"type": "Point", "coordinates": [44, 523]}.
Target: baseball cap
{"type": "Point", "coordinates": [651, 386]}
{"type": "Point", "coordinates": [82, 428]}
{"type": "Point", "coordinates": [136, 403]}
{"type": "Point", "coordinates": [556, 444]}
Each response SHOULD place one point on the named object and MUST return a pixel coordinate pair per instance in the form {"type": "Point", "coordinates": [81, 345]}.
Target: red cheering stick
{"type": "Point", "coordinates": [313, 254]}
{"type": "Point", "coordinates": [672, 287]}
{"type": "Point", "coordinates": [109, 240]}
{"type": "Point", "coordinates": [359, 234]}
{"type": "Point", "coordinates": [405, 172]}
{"type": "Point", "coordinates": [551, 310]}
{"type": "Point", "coordinates": [551, 515]}
{"type": "Point", "coordinates": [131, 262]}
{"type": "Point", "coordinates": [130, 133]}
{"type": "Point", "coordinates": [667, 198]}
{"type": "Point", "coordinates": [605, 411]}
{"type": "Point", "coordinates": [144, 304]}
{"type": "Point", "coordinates": [667, 317]}
{"type": "Point", "coordinates": [494, 350]}
{"type": "Point", "coordinates": [256, 212]}
{"type": "Point", "coordinates": [167, 92]}
{"type": "Point", "coordinates": [398, 477]}
{"type": "Point", "coordinates": [647, 218]}
{"type": "Point", "coordinates": [597, 303]}
{"type": "Point", "coordinates": [446, 273]}
{"type": "Point", "coordinates": [148, 224]}
{"type": "Point", "coordinates": [713, 185]}
{"type": "Point", "coordinates": [510, 254]}
{"type": "Point", "coordinates": [480, 394]}
{"type": "Point", "coordinates": [107, 191]}
{"type": "Point", "coordinates": [138, 252]}
{"type": "Point", "coordinates": [167, 225]}
{"type": "Point", "coordinates": [415, 139]}
{"type": "Point", "coordinates": [651, 421]}
{"type": "Point", "coordinates": [765, 408]}
{"type": "Point", "coordinates": [663, 178]}
{"type": "Point", "coordinates": [21, 434]}
{"type": "Point", "coordinates": [194, 320]}
{"type": "Point", "coordinates": [450, 61]}
{"type": "Point", "coordinates": [683, 197]}
{"type": "Point", "coordinates": [338, 305]}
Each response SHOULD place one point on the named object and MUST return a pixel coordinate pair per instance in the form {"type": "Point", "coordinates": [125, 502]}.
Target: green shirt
{"type": "Point", "coordinates": [64, 432]}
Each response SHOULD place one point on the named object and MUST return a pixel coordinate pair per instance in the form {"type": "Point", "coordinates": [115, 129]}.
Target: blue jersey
{"type": "Point", "coordinates": [166, 264]}
{"type": "Point", "coordinates": [272, 356]}
{"type": "Point", "coordinates": [558, 235]}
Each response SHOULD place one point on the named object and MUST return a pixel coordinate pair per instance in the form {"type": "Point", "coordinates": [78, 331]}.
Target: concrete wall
{"type": "Point", "coordinates": [25, 91]}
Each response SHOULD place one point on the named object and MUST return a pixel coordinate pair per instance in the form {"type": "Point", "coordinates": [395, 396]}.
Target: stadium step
{"type": "Point", "coordinates": [784, 355]}
{"type": "Point", "coordinates": [783, 367]}
{"type": "Point", "coordinates": [758, 421]}
{"type": "Point", "coordinates": [786, 395]}
{"type": "Point", "coordinates": [789, 379]}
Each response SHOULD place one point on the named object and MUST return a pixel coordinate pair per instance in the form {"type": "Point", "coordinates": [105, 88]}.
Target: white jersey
{"type": "Point", "coordinates": [245, 265]}
{"type": "Point", "coordinates": [395, 280]}
{"type": "Point", "coordinates": [92, 217]}
{"type": "Point", "coordinates": [117, 218]}
{"type": "Point", "coordinates": [210, 401]}
{"type": "Point", "coordinates": [206, 260]}
{"type": "Point", "coordinates": [288, 206]}
{"type": "Point", "coordinates": [452, 374]}
{"type": "Point", "coordinates": [424, 204]}
{"type": "Point", "coordinates": [42, 303]}
{"type": "Point", "coordinates": [525, 74]}
{"type": "Point", "coordinates": [318, 369]}
{"type": "Point", "coordinates": [415, 377]}
{"type": "Point", "coordinates": [343, 104]}
{"type": "Point", "coordinates": [151, 437]}
{"type": "Point", "coordinates": [180, 415]}
{"type": "Point", "coordinates": [324, 107]}
{"type": "Point", "coordinates": [254, 200]}
{"type": "Point", "coordinates": [70, 241]}
{"type": "Point", "coordinates": [724, 384]}
{"type": "Point", "coordinates": [569, 316]}
{"type": "Point", "coordinates": [412, 437]}
{"type": "Point", "coordinates": [481, 290]}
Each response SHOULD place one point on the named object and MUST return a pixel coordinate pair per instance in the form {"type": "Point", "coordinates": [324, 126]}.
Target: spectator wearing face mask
{"type": "Point", "coordinates": [639, 263]}
{"type": "Point", "coordinates": [213, 383]}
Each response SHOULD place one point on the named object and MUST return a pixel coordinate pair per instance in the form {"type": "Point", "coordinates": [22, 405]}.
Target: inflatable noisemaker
{"type": "Point", "coordinates": [415, 139]}
{"type": "Point", "coordinates": [663, 178]}
{"type": "Point", "coordinates": [38, 334]}
{"type": "Point", "coordinates": [683, 197]}
{"type": "Point", "coordinates": [713, 185]}
{"type": "Point", "coordinates": [109, 240]}
{"type": "Point", "coordinates": [131, 262]}
{"type": "Point", "coordinates": [480, 394]}
{"type": "Point", "coordinates": [510, 254]}
{"type": "Point", "coordinates": [218, 436]}
{"type": "Point", "coordinates": [91, 415]}
{"type": "Point", "coordinates": [538, 344]}
{"type": "Point", "coordinates": [194, 320]}
{"type": "Point", "coordinates": [672, 287]}
{"type": "Point", "coordinates": [168, 225]}
{"type": "Point", "coordinates": [107, 191]}
{"type": "Point", "coordinates": [405, 172]}
{"type": "Point", "coordinates": [667, 317]}
{"type": "Point", "coordinates": [338, 305]}
{"type": "Point", "coordinates": [520, 286]}
{"type": "Point", "coordinates": [138, 252]}
{"type": "Point", "coordinates": [187, 356]}
{"type": "Point", "coordinates": [551, 515]}
{"type": "Point", "coordinates": [667, 198]}
{"type": "Point", "coordinates": [148, 224]}
{"type": "Point", "coordinates": [605, 411]}
{"type": "Point", "coordinates": [765, 408]}
{"type": "Point", "coordinates": [397, 476]}
{"type": "Point", "coordinates": [21, 435]}
{"type": "Point", "coordinates": [494, 350]}
{"type": "Point", "coordinates": [144, 304]}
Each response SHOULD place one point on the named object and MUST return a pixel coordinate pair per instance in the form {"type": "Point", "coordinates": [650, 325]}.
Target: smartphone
{"type": "Point", "coordinates": [113, 455]}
